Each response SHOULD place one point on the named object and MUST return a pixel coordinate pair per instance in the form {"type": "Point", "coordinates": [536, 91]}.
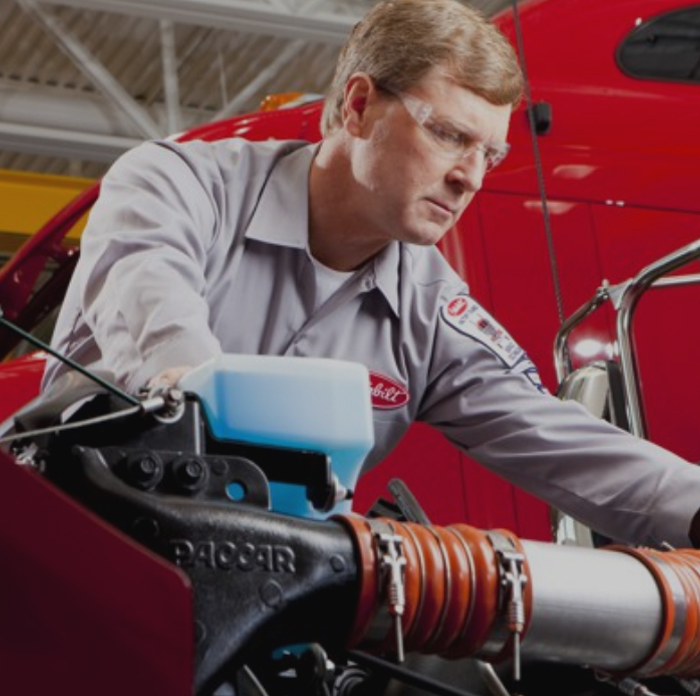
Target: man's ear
{"type": "Point", "coordinates": [359, 90]}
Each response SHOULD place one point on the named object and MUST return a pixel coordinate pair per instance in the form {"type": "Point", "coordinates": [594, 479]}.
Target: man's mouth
{"type": "Point", "coordinates": [445, 207]}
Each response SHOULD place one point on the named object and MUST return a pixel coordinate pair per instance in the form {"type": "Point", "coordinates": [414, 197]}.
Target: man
{"type": "Point", "coordinates": [290, 249]}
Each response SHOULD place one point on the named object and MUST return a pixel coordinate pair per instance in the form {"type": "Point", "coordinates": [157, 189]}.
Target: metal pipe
{"type": "Point", "coordinates": [590, 607]}
{"type": "Point", "coordinates": [171, 84]}
{"type": "Point", "coordinates": [628, 303]}
{"type": "Point", "coordinates": [250, 16]}
{"type": "Point", "coordinates": [689, 279]}
{"type": "Point", "coordinates": [562, 359]}
{"type": "Point", "coordinates": [622, 610]}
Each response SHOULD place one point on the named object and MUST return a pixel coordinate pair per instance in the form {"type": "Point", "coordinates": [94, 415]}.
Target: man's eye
{"type": "Point", "coordinates": [448, 136]}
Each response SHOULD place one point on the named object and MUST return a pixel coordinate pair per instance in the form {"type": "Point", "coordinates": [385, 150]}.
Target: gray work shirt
{"type": "Point", "coordinates": [201, 248]}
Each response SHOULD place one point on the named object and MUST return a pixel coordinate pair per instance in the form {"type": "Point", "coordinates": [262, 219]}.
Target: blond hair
{"type": "Point", "coordinates": [399, 41]}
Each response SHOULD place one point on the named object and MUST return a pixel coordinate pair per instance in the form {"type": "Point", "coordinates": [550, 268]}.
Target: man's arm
{"type": "Point", "coordinates": [484, 397]}
{"type": "Point", "coordinates": [141, 277]}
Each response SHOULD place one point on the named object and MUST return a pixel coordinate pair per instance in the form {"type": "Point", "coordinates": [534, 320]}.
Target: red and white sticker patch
{"type": "Point", "coordinates": [387, 393]}
{"type": "Point", "coordinates": [457, 306]}
{"type": "Point", "coordinates": [467, 316]}
{"type": "Point", "coordinates": [470, 318]}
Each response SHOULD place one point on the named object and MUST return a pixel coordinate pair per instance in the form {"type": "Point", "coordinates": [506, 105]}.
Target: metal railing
{"type": "Point", "coordinates": [625, 298]}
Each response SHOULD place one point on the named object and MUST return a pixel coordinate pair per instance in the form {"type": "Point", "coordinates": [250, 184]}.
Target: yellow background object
{"type": "Point", "coordinates": [27, 201]}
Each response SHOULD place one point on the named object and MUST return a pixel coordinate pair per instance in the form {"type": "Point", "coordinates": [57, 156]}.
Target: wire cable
{"type": "Point", "coordinates": [76, 366]}
{"type": "Point", "coordinates": [124, 413]}
{"type": "Point", "coordinates": [554, 267]}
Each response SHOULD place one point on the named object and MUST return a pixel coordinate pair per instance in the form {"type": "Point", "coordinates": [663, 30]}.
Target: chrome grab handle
{"type": "Point", "coordinates": [625, 298]}
{"type": "Point", "coordinates": [634, 290]}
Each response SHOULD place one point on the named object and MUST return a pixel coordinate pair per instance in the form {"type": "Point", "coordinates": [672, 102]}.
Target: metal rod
{"type": "Point", "coordinates": [43, 346]}
{"type": "Point", "coordinates": [171, 85]}
{"type": "Point", "coordinates": [261, 79]}
{"type": "Point", "coordinates": [625, 299]}
{"type": "Point", "coordinates": [491, 679]}
{"type": "Point", "coordinates": [562, 360]}
{"type": "Point", "coordinates": [628, 303]}
{"type": "Point", "coordinates": [689, 279]}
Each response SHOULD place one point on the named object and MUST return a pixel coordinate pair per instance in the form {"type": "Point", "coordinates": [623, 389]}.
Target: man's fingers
{"type": "Point", "coordinates": [169, 377]}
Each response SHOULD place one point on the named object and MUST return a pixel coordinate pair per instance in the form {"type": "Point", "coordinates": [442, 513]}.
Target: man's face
{"type": "Point", "coordinates": [416, 178]}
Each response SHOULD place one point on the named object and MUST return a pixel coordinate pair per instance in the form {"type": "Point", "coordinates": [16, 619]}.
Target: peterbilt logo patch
{"type": "Point", "coordinates": [457, 306]}
{"type": "Point", "coordinates": [386, 393]}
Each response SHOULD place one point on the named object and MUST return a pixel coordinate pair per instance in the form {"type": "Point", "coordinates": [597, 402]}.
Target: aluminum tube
{"type": "Point", "coordinates": [590, 607]}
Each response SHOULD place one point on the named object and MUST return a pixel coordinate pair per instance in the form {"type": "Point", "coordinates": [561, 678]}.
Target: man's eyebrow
{"type": "Point", "coordinates": [449, 121]}
{"type": "Point", "coordinates": [470, 132]}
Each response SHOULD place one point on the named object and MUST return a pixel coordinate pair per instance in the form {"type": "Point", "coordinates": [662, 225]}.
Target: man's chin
{"type": "Point", "coordinates": [429, 235]}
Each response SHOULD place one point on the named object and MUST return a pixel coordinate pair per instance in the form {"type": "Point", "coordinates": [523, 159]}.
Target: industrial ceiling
{"type": "Point", "coordinates": [83, 80]}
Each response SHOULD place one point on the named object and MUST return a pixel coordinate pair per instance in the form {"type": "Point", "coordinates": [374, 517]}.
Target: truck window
{"type": "Point", "coordinates": [665, 48]}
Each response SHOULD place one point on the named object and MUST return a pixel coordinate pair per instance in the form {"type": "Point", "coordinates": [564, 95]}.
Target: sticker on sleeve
{"type": "Point", "coordinates": [468, 317]}
{"type": "Point", "coordinates": [526, 367]}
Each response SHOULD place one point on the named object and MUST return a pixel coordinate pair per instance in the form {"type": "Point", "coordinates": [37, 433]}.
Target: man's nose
{"type": "Point", "coordinates": [468, 172]}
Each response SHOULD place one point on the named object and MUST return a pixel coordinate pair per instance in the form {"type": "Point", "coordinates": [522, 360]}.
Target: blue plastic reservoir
{"type": "Point", "coordinates": [315, 404]}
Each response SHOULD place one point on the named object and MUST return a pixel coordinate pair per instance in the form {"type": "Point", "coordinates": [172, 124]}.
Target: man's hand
{"type": "Point", "coordinates": [168, 377]}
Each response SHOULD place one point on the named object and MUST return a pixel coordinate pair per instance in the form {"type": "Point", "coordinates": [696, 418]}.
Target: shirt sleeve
{"type": "Point", "coordinates": [485, 396]}
{"type": "Point", "coordinates": [142, 268]}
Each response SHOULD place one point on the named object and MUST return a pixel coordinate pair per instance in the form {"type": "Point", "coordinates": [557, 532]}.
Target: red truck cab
{"type": "Point", "coordinates": [602, 179]}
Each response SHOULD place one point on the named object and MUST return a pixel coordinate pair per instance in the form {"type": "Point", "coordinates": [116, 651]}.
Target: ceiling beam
{"type": "Point", "coordinates": [101, 78]}
{"type": "Point", "coordinates": [171, 84]}
{"type": "Point", "coordinates": [64, 109]}
{"type": "Point", "coordinates": [260, 80]}
{"type": "Point", "coordinates": [232, 15]}
{"type": "Point", "coordinates": [69, 124]}
{"type": "Point", "coordinates": [55, 142]}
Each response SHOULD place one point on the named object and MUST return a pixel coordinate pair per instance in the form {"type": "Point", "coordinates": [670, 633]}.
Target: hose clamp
{"type": "Point", "coordinates": [512, 583]}
{"type": "Point", "coordinates": [392, 565]}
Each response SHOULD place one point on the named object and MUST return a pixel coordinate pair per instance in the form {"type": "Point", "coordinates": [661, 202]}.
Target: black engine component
{"type": "Point", "coordinates": [203, 505]}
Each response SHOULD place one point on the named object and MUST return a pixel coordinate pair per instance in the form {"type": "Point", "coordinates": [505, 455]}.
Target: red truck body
{"type": "Point", "coordinates": [612, 185]}
{"type": "Point", "coordinates": [617, 186]}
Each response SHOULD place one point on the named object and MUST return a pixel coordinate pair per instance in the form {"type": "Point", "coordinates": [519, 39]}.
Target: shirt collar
{"type": "Point", "coordinates": [282, 213]}
{"type": "Point", "coordinates": [282, 217]}
{"type": "Point", "coordinates": [384, 270]}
